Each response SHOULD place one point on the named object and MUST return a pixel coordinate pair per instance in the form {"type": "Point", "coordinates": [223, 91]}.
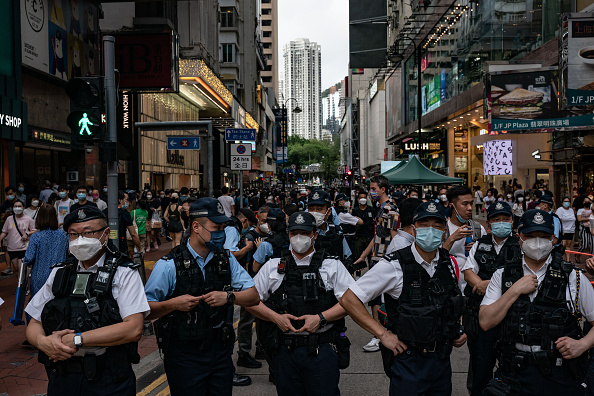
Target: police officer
{"type": "Point", "coordinates": [192, 291]}
{"type": "Point", "coordinates": [235, 232]}
{"type": "Point", "coordinates": [302, 323]}
{"type": "Point", "coordinates": [487, 254]}
{"type": "Point", "coordinates": [276, 243]}
{"type": "Point", "coordinates": [546, 203]}
{"type": "Point", "coordinates": [348, 222]}
{"type": "Point", "coordinates": [330, 236]}
{"type": "Point", "coordinates": [88, 317]}
{"type": "Point", "coordinates": [424, 305]}
{"type": "Point", "coordinates": [537, 301]}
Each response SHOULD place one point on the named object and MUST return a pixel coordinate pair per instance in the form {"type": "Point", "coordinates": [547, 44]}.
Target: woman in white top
{"type": "Point", "coordinates": [567, 216]}
{"type": "Point", "coordinates": [32, 206]}
{"type": "Point", "coordinates": [518, 209]}
{"type": "Point", "coordinates": [583, 216]}
{"type": "Point", "coordinates": [489, 199]}
{"type": "Point", "coordinates": [478, 199]}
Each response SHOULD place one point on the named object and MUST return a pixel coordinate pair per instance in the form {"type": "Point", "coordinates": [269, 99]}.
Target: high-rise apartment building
{"type": "Point", "coordinates": [302, 82]}
{"type": "Point", "coordinates": [270, 42]}
{"type": "Point", "coordinates": [331, 110]}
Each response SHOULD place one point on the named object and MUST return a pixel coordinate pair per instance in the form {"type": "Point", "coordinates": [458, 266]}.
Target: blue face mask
{"type": "Point", "coordinates": [428, 238]}
{"type": "Point", "coordinates": [217, 240]}
{"type": "Point", "coordinates": [81, 196]}
{"type": "Point", "coordinates": [566, 204]}
{"type": "Point", "coordinates": [62, 194]}
{"type": "Point", "coordinates": [501, 229]}
{"type": "Point", "coordinates": [10, 197]}
{"type": "Point", "coordinates": [460, 219]}
{"type": "Point", "coordinates": [125, 205]}
{"type": "Point", "coordinates": [21, 189]}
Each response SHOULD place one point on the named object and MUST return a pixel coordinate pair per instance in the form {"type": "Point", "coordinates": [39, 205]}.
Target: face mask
{"type": "Point", "coordinates": [10, 197]}
{"type": "Point", "coordinates": [81, 196]}
{"type": "Point", "coordinates": [566, 204]}
{"type": "Point", "coordinates": [56, 186]}
{"type": "Point", "coordinates": [35, 203]}
{"type": "Point", "coordinates": [105, 190]}
{"type": "Point", "coordinates": [501, 229]}
{"type": "Point", "coordinates": [62, 194]}
{"type": "Point", "coordinates": [320, 218]}
{"type": "Point", "coordinates": [264, 228]}
{"type": "Point", "coordinates": [347, 205]}
{"type": "Point", "coordinates": [500, 199]}
{"type": "Point", "coordinates": [149, 197]}
{"type": "Point", "coordinates": [428, 238]}
{"type": "Point", "coordinates": [301, 243]}
{"type": "Point", "coordinates": [125, 205]}
{"type": "Point", "coordinates": [460, 219]}
{"type": "Point", "coordinates": [537, 248]}
{"type": "Point", "coordinates": [509, 195]}
{"type": "Point", "coordinates": [21, 189]}
{"type": "Point", "coordinates": [95, 196]}
{"type": "Point", "coordinates": [520, 199]}
{"type": "Point", "coordinates": [374, 195]}
{"type": "Point", "coordinates": [587, 205]}
{"type": "Point", "coordinates": [17, 210]}
{"type": "Point", "coordinates": [443, 198]}
{"type": "Point", "coordinates": [414, 196]}
{"type": "Point", "coordinates": [217, 240]}
{"type": "Point", "coordinates": [363, 201]}
{"type": "Point", "coordinates": [85, 248]}
{"type": "Point", "coordinates": [162, 196]}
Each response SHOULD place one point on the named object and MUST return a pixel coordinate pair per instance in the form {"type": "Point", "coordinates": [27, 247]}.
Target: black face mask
{"type": "Point", "coordinates": [587, 205]}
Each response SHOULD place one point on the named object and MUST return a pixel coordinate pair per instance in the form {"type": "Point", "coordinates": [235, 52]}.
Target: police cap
{"type": "Point", "coordinates": [499, 208]}
{"type": "Point", "coordinates": [302, 221]}
{"type": "Point", "coordinates": [249, 214]}
{"type": "Point", "coordinates": [318, 197]}
{"type": "Point", "coordinates": [430, 209]}
{"type": "Point", "coordinates": [341, 197]}
{"type": "Point", "coordinates": [86, 213]}
{"type": "Point", "coordinates": [210, 208]}
{"type": "Point", "coordinates": [276, 214]}
{"type": "Point", "coordinates": [546, 198]}
{"type": "Point", "coordinates": [536, 220]}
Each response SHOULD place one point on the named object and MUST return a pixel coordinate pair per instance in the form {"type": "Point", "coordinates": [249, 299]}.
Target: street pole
{"type": "Point", "coordinates": [419, 100]}
{"type": "Point", "coordinates": [240, 188]}
{"type": "Point", "coordinates": [111, 137]}
{"type": "Point", "coordinates": [285, 143]}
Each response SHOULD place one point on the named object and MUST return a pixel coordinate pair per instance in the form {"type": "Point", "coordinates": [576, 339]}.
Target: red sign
{"type": "Point", "coordinates": [146, 61]}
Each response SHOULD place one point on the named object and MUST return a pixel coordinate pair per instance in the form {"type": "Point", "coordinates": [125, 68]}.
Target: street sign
{"type": "Point", "coordinates": [241, 149]}
{"type": "Point", "coordinates": [183, 143]}
{"type": "Point", "coordinates": [241, 156]}
{"type": "Point", "coordinates": [245, 134]}
{"type": "Point", "coordinates": [293, 166]}
{"type": "Point", "coordinates": [288, 170]}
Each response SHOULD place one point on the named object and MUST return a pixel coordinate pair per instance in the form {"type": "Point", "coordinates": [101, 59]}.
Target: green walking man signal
{"type": "Point", "coordinates": [85, 125]}
{"type": "Point", "coordinates": [86, 107]}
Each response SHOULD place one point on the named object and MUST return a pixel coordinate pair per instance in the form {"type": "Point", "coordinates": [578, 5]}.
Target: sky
{"type": "Point", "coordinates": [323, 21]}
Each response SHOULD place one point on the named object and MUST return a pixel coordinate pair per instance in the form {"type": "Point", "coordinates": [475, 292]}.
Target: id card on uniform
{"type": "Point", "coordinates": [81, 283]}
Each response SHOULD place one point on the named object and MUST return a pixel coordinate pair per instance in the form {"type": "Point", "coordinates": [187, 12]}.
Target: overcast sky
{"type": "Point", "coordinates": [323, 21]}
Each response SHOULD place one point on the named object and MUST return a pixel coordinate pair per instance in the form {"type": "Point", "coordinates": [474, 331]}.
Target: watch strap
{"type": "Point", "coordinates": [323, 320]}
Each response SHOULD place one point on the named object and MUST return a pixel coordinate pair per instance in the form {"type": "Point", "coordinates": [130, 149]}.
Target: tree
{"type": "Point", "coordinates": [303, 152]}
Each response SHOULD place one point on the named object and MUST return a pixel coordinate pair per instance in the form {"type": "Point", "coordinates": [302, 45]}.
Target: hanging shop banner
{"type": "Point", "coordinates": [497, 157]}
{"type": "Point", "coordinates": [577, 59]}
{"type": "Point", "coordinates": [60, 37]}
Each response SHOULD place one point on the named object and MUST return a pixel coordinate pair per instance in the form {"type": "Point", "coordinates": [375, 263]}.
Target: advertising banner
{"type": "Point", "coordinates": [497, 157]}
{"type": "Point", "coordinates": [60, 37]}
{"type": "Point", "coordinates": [577, 44]}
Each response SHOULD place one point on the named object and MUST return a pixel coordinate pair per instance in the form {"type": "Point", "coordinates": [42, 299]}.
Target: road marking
{"type": "Point", "coordinates": [152, 386]}
{"type": "Point", "coordinates": [164, 392]}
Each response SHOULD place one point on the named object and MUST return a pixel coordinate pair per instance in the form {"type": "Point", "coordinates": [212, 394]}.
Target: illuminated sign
{"type": "Point", "coordinates": [497, 157]}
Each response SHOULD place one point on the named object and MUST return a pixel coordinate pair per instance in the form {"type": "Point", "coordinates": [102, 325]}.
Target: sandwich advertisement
{"type": "Point", "coordinates": [527, 101]}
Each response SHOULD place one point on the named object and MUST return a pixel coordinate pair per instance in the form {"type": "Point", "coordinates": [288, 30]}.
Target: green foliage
{"type": "Point", "coordinates": [303, 152]}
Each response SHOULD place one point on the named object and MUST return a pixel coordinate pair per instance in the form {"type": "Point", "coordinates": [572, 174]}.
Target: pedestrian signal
{"type": "Point", "coordinates": [86, 107]}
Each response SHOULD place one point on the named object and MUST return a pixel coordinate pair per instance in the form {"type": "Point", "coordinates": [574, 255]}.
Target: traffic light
{"type": "Point", "coordinates": [349, 172]}
{"type": "Point", "coordinates": [86, 105]}
{"type": "Point", "coordinates": [363, 177]}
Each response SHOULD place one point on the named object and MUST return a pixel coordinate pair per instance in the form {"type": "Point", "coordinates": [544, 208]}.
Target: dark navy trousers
{"type": "Point", "coordinates": [200, 372]}
{"type": "Point", "coordinates": [424, 375]}
{"type": "Point", "coordinates": [482, 352]}
{"type": "Point", "coordinates": [76, 384]}
{"type": "Point", "coordinates": [297, 373]}
{"type": "Point", "coordinates": [533, 383]}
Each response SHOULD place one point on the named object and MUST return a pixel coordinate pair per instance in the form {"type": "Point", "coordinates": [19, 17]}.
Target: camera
{"type": "Point", "coordinates": [89, 149]}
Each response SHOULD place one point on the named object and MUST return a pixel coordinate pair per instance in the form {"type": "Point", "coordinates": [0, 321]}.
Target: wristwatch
{"type": "Point", "coordinates": [230, 297]}
{"type": "Point", "coordinates": [323, 321]}
{"type": "Point", "coordinates": [77, 340]}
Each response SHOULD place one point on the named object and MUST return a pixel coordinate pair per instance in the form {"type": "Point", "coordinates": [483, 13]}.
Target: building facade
{"type": "Point", "coordinates": [270, 76]}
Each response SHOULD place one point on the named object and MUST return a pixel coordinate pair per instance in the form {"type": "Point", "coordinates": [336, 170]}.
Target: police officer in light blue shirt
{"type": "Point", "coordinates": [192, 291]}
{"type": "Point", "coordinates": [546, 203]}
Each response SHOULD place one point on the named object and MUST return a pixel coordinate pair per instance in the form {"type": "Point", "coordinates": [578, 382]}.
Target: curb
{"type": "Point", "coordinates": [147, 364]}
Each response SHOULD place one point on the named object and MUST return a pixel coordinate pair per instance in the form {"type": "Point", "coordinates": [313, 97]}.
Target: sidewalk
{"type": "Point", "coordinates": [20, 373]}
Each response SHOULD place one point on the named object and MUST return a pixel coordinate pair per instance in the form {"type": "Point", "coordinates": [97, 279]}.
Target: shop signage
{"type": "Point", "coordinates": [497, 157]}
{"type": "Point", "coordinates": [577, 59]}
{"type": "Point", "coordinates": [126, 112]}
{"type": "Point", "coordinates": [175, 158]}
{"type": "Point", "coordinates": [52, 137]}
{"type": "Point", "coordinates": [10, 121]}
{"type": "Point", "coordinates": [61, 38]}
{"type": "Point", "coordinates": [412, 147]}
{"type": "Point", "coordinates": [147, 62]}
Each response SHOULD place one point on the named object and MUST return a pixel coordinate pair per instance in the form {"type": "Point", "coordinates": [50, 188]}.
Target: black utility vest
{"type": "Point", "coordinates": [197, 324]}
{"type": "Point", "coordinates": [547, 318]}
{"type": "Point", "coordinates": [428, 311]}
{"type": "Point", "coordinates": [348, 229]}
{"type": "Point", "coordinates": [83, 301]}
{"type": "Point", "coordinates": [331, 241]}
{"type": "Point", "coordinates": [280, 243]}
{"type": "Point", "coordinates": [489, 261]}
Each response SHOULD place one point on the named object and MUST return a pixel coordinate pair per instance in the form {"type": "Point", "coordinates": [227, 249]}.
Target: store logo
{"type": "Point", "coordinates": [540, 80]}
{"type": "Point", "coordinates": [35, 14]}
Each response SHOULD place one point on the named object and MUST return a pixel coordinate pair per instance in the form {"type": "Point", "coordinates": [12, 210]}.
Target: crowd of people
{"type": "Point", "coordinates": [414, 267]}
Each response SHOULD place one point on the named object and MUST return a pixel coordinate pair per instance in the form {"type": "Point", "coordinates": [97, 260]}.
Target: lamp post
{"type": "Point", "coordinates": [284, 136]}
{"type": "Point", "coordinates": [397, 57]}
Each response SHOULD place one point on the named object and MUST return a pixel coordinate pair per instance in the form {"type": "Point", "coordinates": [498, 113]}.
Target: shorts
{"type": "Point", "coordinates": [568, 236]}
{"type": "Point", "coordinates": [16, 254]}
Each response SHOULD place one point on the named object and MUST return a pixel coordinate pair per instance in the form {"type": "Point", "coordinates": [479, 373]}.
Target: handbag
{"type": "Point", "coordinates": [156, 220]}
{"type": "Point", "coordinates": [128, 235]}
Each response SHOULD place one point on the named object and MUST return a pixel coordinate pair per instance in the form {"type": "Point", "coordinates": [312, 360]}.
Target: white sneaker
{"type": "Point", "coordinates": [372, 346]}
{"type": "Point", "coordinates": [7, 271]}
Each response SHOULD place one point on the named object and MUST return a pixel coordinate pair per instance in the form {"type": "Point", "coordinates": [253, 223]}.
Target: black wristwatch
{"type": "Point", "coordinates": [230, 297]}
{"type": "Point", "coordinates": [323, 321]}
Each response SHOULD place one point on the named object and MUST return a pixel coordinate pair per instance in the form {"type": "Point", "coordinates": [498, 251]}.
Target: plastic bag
{"type": "Point", "coordinates": [155, 220]}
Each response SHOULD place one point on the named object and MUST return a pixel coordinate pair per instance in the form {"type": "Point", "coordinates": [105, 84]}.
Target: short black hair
{"type": "Point", "coordinates": [217, 193]}
{"type": "Point", "coordinates": [121, 195]}
{"type": "Point", "coordinates": [407, 210]}
{"type": "Point", "coordinates": [456, 191]}
{"type": "Point", "coordinates": [381, 181]}
{"type": "Point", "coordinates": [183, 191]}
{"type": "Point", "coordinates": [290, 209]}
{"type": "Point", "coordinates": [7, 189]}
{"type": "Point", "coordinates": [225, 190]}
{"type": "Point", "coordinates": [414, 191]}
{"type": "Point", "coordinates": [362, 192]}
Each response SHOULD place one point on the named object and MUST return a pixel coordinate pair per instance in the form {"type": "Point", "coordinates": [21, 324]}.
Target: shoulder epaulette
{"type": "Point", "coordinates": [70, 260]}
{"type": "Point", "coordinates": [332, 258]}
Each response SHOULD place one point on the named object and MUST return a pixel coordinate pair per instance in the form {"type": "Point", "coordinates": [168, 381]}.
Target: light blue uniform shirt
{"type": "Point", "coordinates": [232, 239]}
{"type": "Point", "coordinates": [263, 252]}
{"type": "Point", "coordinates": [161, 283]}
{"type": "Point", "coordinates": [346, 250]}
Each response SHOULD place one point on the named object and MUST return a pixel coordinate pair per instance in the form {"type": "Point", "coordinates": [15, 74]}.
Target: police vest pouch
{"type": "Point", "coordinates": [387, 359]}
{"type": "Point", "coordinates": [343, 348]}
{"type": "Point", "coordinates": [417, 325]}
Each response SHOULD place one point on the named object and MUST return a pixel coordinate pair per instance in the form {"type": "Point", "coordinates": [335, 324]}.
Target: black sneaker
{"type": "Point", "coordinates": [259, 354]}
{"type": "Point", "coordinates": [241, 380]}
{"type": "Point", "coordinates": [169, 238]}
{"type": "Point", "coordinates": [248, 361]}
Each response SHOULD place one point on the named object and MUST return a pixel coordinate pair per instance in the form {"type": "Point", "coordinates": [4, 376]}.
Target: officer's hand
{"type": "Point", "coordinates": [215, 298]}
{"type": "Point", "coordinates": [53, 346]}
{"type": "Point", "coordinates": [391, 341]}
{"type": "Point", "coordinates": [590, 265]}
{"type": "Point", "coordinates": [570, 348]}
{"type": "Point", "coordinates": [258, 241]}
{"type": "Point", "coordinates": [458, 342]}
{"type": "Point", "coordinates": [283, 322]}
{"type": "Point", "coordinates": [312, 323]}
{"type": "Point", "coordinates": [185, 303]}
{"type": "Point", "coordinates": [481, 288]}
{"type": "Point", "coordinates": [527, 284]}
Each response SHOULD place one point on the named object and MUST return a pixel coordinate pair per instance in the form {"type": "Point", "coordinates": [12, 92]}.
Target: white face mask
{"type": "Point", "coordinates": [443, 198]}
{"type": "Point", "coordinates": [264, 228]}
{"type": "Point", "coordinates": [347, 205]}
{"type": "Point", "coordinates": [35, 203]}
{"type": "Point", "coordinates": [17, 211]}
{"type": "Point", "coordinates": [301, 243]}
{"type": "Point", "coordinates": [85, 248]}
{"type": "Point", "coordinates": [363, 201]}
{"type": "Point", "coordinates": [320, 218]}
{"type": "Point", "coordinates": [537, 248]}
{"type": "Point", "coordinates": [520, 199]}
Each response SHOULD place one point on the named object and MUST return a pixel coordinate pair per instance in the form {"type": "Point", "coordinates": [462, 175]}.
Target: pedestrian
{"type": "Point", "coordinates": [139, 216]}
{"type": "Point", "coordinates": [17, 230]}
{"type": "Point", "coordinates": [586, 236]}
{"type": "Point", "coordinates": [487, 254]}
{"type": "Point", "coordinates": [38, 256]}
{"type": "Point", "coordinates": [82, 197]}
{"type": "Point", "coordinates": [20, 195]}
{"type": "Point", "coordinates": [199, 280]}
{"type": "Point", "coordinates": [84, 351]}
{"type": "Point", "coordinates": [518, 209]}
{"type": "Point", "coordinates": [6, 206]}
{"type": "Point", "coordinates": [46, 191]}
{"type": "Point", "coordinates": [547, 204]}
{"type": "Point", "coordinates": [172, 216]}
{"type": "Point", "coordinates": [32, 206]}
{"type": "Point", "coordinates": [534, 203]}
{"type": "Point", "coordinates": [127, 232]}
{"type": "Point", "coordinates": [420, 288]}
{"type": "Point", "coordinates": [488, 200]}
{"type": "Point", "coordinates": [348, 221]}
{"type": "Point", "coordinates": [227, 202]}
{"type": "Point", "coordinates": [302, 324]}
{"type": "Point", "coordinates": [154, 208]}
{"type": "Point", "coordinates": [567, 216]}
{"type": "Point", "coordinates": [509, 198]}
{"type": "Point", "coordinates": [63, 205]}
{"type": "Point", "coordinates": [539, 352]}
{"type": "Point", "coordinates": [363, 232]}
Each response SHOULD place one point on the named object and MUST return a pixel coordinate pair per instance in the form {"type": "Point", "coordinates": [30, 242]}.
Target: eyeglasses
{"type": "Point", "coordinates": [86, 234]}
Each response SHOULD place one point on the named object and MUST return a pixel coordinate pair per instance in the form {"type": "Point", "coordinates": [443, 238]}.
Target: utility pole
{"type": "Point", "coordinates": [111, 139]}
